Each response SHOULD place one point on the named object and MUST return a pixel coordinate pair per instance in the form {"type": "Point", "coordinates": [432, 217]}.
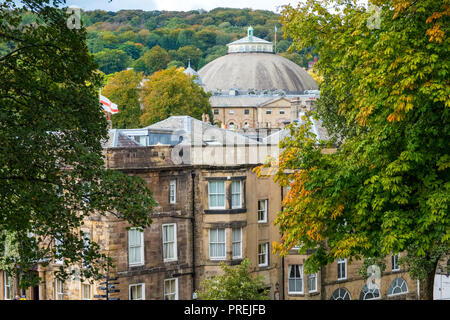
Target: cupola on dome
{"type": "Point", "coordinates": [251, 66]}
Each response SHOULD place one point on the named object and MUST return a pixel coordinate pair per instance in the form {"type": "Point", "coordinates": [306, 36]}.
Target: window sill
{"type": "Point", "coordinates": [136, 265]}
{"type": "Point", "coordinates": [170, 260]}
{"type": "Point", "coordinates": [296, 294]}
{"type": "Point", "coordinates": [225, 211]}
{"type": "Point", "coordinates": [218, 259]}
{"type": "Point", "coordinates": [235, 261]}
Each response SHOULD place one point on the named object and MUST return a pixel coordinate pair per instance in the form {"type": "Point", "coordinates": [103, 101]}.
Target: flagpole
{"type": "Point", "coordinates": [275, 39]}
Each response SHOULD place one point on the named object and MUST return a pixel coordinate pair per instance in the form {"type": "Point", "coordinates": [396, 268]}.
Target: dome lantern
{"type": "Point", "coordinates": [250, 43]}
{"type": "Point", "coordinates": [250, 33]}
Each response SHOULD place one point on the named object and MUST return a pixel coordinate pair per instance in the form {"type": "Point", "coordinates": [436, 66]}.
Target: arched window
{"type": "Point", "coordinates": [370, 294]}
{"type": "Point", "coordinates": [398, 286]}
{"type": "Point", "coordinates": [340, 294]}
{"type": "Point", "coordinates": [231, 125]}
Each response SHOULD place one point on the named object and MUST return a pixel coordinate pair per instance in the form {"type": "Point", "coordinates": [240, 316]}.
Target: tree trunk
{"type": "Point", "coordinates": [16, 290]}
{"type": "Point", "coordinates": [427, 287]}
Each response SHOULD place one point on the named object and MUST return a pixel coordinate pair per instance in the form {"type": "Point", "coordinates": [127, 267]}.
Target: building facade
{"type": "Point", "coordinates": [252, 87]}
{"type": "Point", "coordinates": [212, 208]}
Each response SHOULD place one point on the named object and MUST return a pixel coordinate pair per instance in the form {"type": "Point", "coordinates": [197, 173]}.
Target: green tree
{"type": "Point", "coordinates": [132, 49]}
{"type": "Point", "coordinates": [236, 283]}
{"type": "Point", "coordinates": [51, 164]}
{"type": "Point", "coordinates": [123, 90]}
{"type": "Point", "coordinates": [204, 39]}
{"type": "Point", "coordinates": [127, 36]}
{"type": "Point", "coordinates": [153, 60]}
{"type": "Point", "coordinates": [171, 92]}
{"type": "Point", "coordinates": [175, 63]}
{"type": "Point", "coordinates": [110, 40]}
{"type": "Point", "coordinates": [112, 60]}
{"type": "Point", "coordinates": [386, 189]}
{"type": "Point", "coordinates": [185, 37]}
{"type": "Point", "coordinates": [188, 53]}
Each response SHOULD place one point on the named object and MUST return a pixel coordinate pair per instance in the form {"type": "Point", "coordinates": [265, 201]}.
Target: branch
{"type": "Point", "coordinates": [27, 47]}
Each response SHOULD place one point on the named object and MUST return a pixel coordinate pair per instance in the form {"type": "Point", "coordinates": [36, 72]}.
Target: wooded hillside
{"type": "Point", "coordinates": [152, 40]}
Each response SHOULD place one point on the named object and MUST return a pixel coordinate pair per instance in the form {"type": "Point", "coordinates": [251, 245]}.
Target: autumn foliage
{"type": "Point", "coordinates": [386, 189]}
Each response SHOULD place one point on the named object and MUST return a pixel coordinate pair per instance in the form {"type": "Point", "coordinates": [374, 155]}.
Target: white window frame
{"type": "Point", "coordinates": [340, 291]}
{"type": "Point", "coordinates": [394, 262]}
{"type": "Point", "coordinates": [344, 262]}
{"type": "Point", "coordinates": [314, 276]}
{"type": "Point", "coordinates": [217, 194]}
{"type": "Point", "coordinates": [7, 286]}
{"type": "Point", "coordinates": [396, 285]}
{"type": "Point", "coordinates": [365, 291]}
{"type": "Point", "coordinates": [173, 191]}
{"type": "Point", "coordinates": [57, 244]}
{"type": "Point", "coordinates": [265, 254]}
{"type": "Point", "coordinates": [171, 293]}
{"type": "Point", "coordinates": [173, 242]}
{"type": "Point", "coordinates": [300, 270]}
{"type": "Point", "coordinates": [239, 205]}
{"type": "Point", "coordinates": [59, 295]}
{"type": "Point", "coordinates": [86, 196]}
{"type": "Point", "coordinates": [87, 241]}
{"type": "Point", "coordinates": [266, 204]}
{"type": "Point", "coordinates": [268, 111]}
{"type": "Point", "coordinates": [231, 111]}
{"type": "Point", "coordinates": [83, 290]}
{"type": "Point", "coordinates": [142, 285]}
{"type": "Point", "coordinates": [282, 111]}
{"type": "Point", "coordinates": [141, 245]}
{"type": "Point", "coordinates": [233, 242]}
{"type": "Point", "coordinates": [216, 243]}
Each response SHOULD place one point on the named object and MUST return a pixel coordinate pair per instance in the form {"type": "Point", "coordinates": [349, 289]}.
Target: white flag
{"type": "Point", "coordinates": [106, 104]}
{"type": "Point", "coordinates": [114, 108]}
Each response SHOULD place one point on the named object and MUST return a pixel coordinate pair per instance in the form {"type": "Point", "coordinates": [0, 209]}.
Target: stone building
{"type": "Point", "coordinates": [211, 208]}
{"type": "Point", "coordinates": [341, 280]}
{"type": "Point", "coordinates": [252, 87]}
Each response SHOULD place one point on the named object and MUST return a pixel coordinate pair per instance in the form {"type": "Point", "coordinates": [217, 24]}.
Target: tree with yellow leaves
{"type": "Point", "coordinates": [170, 92]}
{"type": "Point", "coordinates": [385, 101]}
{"type": "Point", "coordinates": [123, 88]}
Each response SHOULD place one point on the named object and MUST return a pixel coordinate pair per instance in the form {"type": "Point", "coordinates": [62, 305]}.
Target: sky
{"type": "Point", "coordinates": [177, 5]}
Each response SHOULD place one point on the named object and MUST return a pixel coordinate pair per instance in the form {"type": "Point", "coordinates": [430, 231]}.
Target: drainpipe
{"type": "Point", "coordinates": [193, 230]}
{"type": "Point", "coordinates": [418, 289]}
{"type": "Point", "coordinates": [282, 259]}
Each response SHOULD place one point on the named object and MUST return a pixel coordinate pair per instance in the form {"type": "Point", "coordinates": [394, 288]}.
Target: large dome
{"type": "Point", "coordinates": [255, 70]}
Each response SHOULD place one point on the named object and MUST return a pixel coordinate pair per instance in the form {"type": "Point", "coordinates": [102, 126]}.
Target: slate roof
{"type": "Point", "coordinates": [202, 133]}
{"type": "Point", "coordinates": [317, 128]}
